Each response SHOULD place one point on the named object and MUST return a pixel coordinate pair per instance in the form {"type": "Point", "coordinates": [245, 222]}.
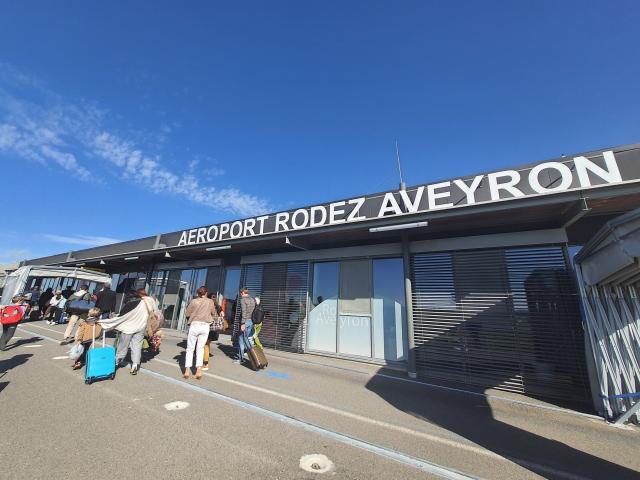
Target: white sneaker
{"type": "Point", "coordinates": [205, 368]}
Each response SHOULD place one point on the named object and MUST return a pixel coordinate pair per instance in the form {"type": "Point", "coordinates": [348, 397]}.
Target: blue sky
{"type": "Point", "coordinates": [125, 119]}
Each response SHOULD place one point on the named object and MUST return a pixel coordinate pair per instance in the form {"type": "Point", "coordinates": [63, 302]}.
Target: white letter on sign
{"type": "Point", "coordinates": [509, 186]}
{"type": "Point", "coordinates": [183, 239]}
{"type": "Point", "coordinates": [296, 215]}
{"type": "Point", "coordinates": [610, 175]}
{"type": "Point", "coordinates": [412, 207]}
{"type": "Point", "coordinates": [323, 216]}
{"type": "Point", "coordinates": [236, 229]}
{"type": "Point", "coordinates": [249, 223]}
{"type": "Point", "coordinates": [565, 174]}
{"type": "Point", "coordinates": [469, 191]}
{"type": "Point", "coordinates": [281, 222]}
{"type": "Point", "coordinates": [212, 233]}
{"type": "Point", "coordinates": [333, 211]}
{"type": "Point", "coordinates": [433, 196]}
{"type": "Point", "coordinates": [202, 231]}
{"type": "Point", "coordinates": [262, 220]}
{"type": "Point", "coordinates": [355, 213]}
{"type": "Point", "coordinates": [389, 205]}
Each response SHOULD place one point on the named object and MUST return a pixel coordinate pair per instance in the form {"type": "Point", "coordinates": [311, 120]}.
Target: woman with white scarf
{"type": "Point", "coordinates": [132, 327]}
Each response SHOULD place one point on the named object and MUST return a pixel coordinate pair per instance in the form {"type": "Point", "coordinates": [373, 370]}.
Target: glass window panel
{"type": "Point", "coordinates": [389, 309]}
{"type": "Point", "coordinates": [232, 283]}
{"type": "Point", "coordinates": [231, 291]}
{"type": "Point", "coordinates": [324, 308]}
{"type": "Point", "coordinates": [355, 287]}
{"type": "Point", "coordinates": [213, 280]}
{"type": "Point", "coordinates": [355, 335]}
{"type": "Point", "coordinates": [199, 280]}
{"type": "Point", "coordinates": [174, 290]}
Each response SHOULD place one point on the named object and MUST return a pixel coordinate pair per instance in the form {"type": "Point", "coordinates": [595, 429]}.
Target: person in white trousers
{"type": "Point", "coordinates": [200, 313]}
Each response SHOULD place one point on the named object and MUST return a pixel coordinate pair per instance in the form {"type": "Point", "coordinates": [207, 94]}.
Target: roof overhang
{"type": "Point", "coordinates": [579, 194]}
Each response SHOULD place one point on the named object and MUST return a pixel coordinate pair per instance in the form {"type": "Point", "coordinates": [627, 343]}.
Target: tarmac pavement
{"type": "Point", "coordinates": [245, 424]}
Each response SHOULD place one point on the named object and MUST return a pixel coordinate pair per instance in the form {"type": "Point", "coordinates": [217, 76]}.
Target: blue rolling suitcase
{"type": "Point", "coordinates": [101, 362]}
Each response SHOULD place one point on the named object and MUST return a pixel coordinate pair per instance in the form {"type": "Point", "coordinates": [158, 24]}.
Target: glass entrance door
{"type": "Point", "coordinates": [174, 289]}
{"type": "Point", "coordinates": [230, 292]}
{"type": "Point", "coordinates": [357, 308]}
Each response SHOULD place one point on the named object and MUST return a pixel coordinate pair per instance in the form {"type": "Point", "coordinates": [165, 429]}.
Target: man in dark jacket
{"type": "Point", "coordinates": [43, 301]}
{"type": "Point", "coordinates": [67, 292]}
{"type": "Point", "coordinates": [106, 300]}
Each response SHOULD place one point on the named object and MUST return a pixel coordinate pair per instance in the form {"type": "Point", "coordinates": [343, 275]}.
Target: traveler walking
{"type": "Point", "coordinates": [200, 313]}
{"type": "Point", "coordinates": [131, 325]}
{"type": "Point", "coordinates": [12, 315]}
{"type": "Point", "coordinates": [247, 305]}
{"type": "Point", "coordinates": [106, 300]}
{"type": "Point", "coordinates": [82, 294]}
{"type": "Point", "coordinates": [88, 331]}
{"type": "Point", "coordinates": [131, 300]}
{"type": "Point", "coordinates": [43, 301]}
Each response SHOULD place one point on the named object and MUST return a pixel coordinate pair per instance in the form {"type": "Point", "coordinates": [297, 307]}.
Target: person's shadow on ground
{"type": "Point", "coordinates": [22, 342]}
{"type": "Point", "coordinates": [11, 363]}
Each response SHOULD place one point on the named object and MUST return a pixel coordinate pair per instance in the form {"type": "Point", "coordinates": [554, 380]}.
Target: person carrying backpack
{"type": "Point", "coordinates": [12, 315]}
{"type": "Point", "coordinates": [247, 306]}
{"type": "Point", "coordinates": [82, 294]}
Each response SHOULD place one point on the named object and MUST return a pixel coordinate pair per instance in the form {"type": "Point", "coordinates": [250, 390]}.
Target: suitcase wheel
{"type": "Point", "coordinates": [88, 381]}
{"type": "Point", "coordinates": [112, 376]}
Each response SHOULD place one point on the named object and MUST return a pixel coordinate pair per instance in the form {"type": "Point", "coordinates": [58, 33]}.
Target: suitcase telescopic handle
{"type": "Point", "coordinates": [104, 336]}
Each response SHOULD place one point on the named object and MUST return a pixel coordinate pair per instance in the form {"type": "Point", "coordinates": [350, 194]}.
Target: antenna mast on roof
{"type": "Point", "coordinates": [402, 184]}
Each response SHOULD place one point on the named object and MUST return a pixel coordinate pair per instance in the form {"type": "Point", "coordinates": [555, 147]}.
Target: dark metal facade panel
{"type": "Point", "coordinates": [51, 260]}
{"type": "Point", "coordinates": [121, 248]}
{"type": "Point", "coordinates": [282, 288]}
{"type": "Point", "coordinates": [529, 183]}
{"type": "Point", "coordinates": [500, 318]}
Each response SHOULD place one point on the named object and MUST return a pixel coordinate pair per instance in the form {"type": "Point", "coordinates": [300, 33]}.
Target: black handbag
{"type": "Point", "coordinates": [80, 306]}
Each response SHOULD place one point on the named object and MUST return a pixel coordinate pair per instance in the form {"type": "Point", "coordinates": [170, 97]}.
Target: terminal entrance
{"type": "Point", "coordinates": [358, 309]}
{"type": "Point", "coordinates": [174, 289]}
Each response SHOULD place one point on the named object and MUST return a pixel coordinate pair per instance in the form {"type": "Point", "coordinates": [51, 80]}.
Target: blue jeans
{"type": "Point", "coordinates": [242, 345]}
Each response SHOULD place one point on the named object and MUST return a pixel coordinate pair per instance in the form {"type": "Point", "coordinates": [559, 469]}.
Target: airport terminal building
{"type": "Point", "coordinates": [466, 281]}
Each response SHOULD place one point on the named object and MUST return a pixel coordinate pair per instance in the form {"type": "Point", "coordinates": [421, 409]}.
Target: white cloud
{"type": "Point", "coordinates": [150, 173]}
{"type": "Point", "coordinates": [69, 135]}
{"type": "Point", "coordinates": [85, 240]}
{"type": "Point", "coordinates": [67, 161]}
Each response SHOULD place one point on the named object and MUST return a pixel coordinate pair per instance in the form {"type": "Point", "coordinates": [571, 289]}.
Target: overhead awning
{"type": "Point", "coordinates": [613, 255]}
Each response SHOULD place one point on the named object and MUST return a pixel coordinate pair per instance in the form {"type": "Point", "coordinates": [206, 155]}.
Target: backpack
{"type": "Point", "coordinates": [257, 315]}
{"type": "Point", "coordinates": [11, 315]}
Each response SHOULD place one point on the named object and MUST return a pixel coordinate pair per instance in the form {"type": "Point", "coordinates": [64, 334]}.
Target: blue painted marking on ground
{"type": "Point", "coordinates": [274, 374]}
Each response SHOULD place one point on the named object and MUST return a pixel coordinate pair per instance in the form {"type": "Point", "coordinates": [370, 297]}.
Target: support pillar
{"type": "Point", "coordinates": [408, 296]}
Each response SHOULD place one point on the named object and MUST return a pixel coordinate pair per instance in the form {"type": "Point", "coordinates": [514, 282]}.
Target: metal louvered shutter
{"type": "Point", "coordinates": [500, 318]}
{"type": "Point", "coordinates": [282, 288]}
